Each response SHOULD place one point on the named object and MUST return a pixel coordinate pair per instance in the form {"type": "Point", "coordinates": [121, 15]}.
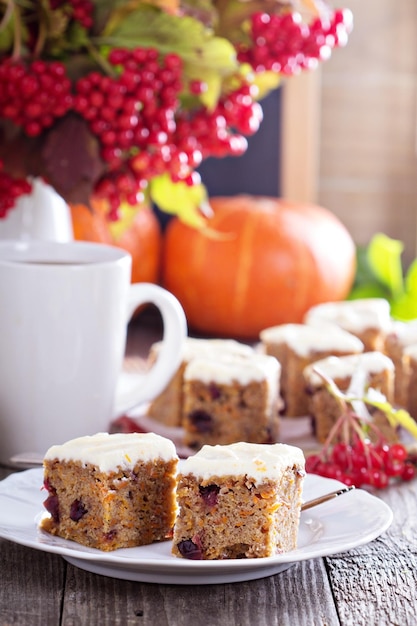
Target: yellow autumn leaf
{"type": "Point", "coordinates": [185, 201]}
{"type": "Point", "coordinates": [127, 214]}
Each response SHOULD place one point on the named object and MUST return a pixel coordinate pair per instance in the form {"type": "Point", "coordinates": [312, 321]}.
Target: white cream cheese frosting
{"type": "Point", "coordinates": [411, 351]}
{"type": "Point", "coordinates": [110, 451]}
{"type": "Point", "coordinates": [258, 462]}
{"type": "Point", "coordinates": [194, 347]}
{"type": "Point", "coordinates": [228, 368]}
{"type": "Point", "coordinates": [352, 315]}
{"type": "Point", "coordinates": [405, 332]}
{"type": "Point", "coordinates": [303, 338]}
{"type": "Point", "coordinates": [345, 366]}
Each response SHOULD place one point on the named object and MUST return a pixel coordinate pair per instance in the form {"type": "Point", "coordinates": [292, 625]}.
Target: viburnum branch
{"type": "Point", "coordinates": [351, 454]}
{"type": "Point", "coordinates": [7, 14]}
{"type": "Point", "coordinates": [11, 7]}
{"type": "Point", "coordinates": [99, 59]}
{"type": "Point", "coordinates": [41, 38]}
{"type": "Point", "coordinates": [396, 417]}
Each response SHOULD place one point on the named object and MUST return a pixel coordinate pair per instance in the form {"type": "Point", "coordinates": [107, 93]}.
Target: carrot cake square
{"type": "Point", "coordinates": [402, 336]}
{"type": "Point", "coordinates": [167, 408]}
{"type": "Point", "coordinates": [239, 501]}
{"type": "Point", "coordinates": [296, 346]}
{"type": "Point", "coordinates": [111, 491]}
{"type": "Point", "coordinates": [409, 379]}
{"type": "Point", "coordinates": [367, 318]}
{"type": "Point", "coordinates": [231, 399]}
{"type": "Point", "coordinates": [357, 373]}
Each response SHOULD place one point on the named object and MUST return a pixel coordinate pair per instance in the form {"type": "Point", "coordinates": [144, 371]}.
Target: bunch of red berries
{"type": "Point", "coordinates": [10, 190]}
{"type": "Point", "coordinates": [286, 44]}
{"type": "Point", "coordinates": [132, 115]}
{"type": "Point", "coordinates": [223, 131]}
{"type": "Point", "coordinates": [135, 115]}
{"type": "Point", "coordinates": [34, 95]}
{"type": "Point", "coordinates": [361, 462]}
{"type": "Point", "coordinates": [143, 133]}
{"type": "Point", "coordinates": [145, 108]}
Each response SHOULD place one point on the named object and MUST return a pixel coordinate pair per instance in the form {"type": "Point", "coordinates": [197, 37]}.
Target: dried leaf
{"type": "Point", "coordinates": [71, 159]}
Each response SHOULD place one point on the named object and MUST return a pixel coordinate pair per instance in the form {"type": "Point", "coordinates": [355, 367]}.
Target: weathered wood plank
{"type": "Point", "coordinates": [31, 586]}
{"type": "Point", "coordinates": [300, 595]}
{"type": "Point", "coordinates": [377, 583]}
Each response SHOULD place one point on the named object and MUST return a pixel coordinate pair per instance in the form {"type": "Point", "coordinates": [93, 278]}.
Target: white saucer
{"type": "Point", "coordinates": [338, 525]}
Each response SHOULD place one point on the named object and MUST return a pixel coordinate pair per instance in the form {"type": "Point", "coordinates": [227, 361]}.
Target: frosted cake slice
{"type": "Point", "coordinates": [231, 399]}
{"type": "Point", "coordinates": [401, 338]}
{"type": "Point", "coordinates": [369, 319]}
{"type": "Point", "coordinates": [239, 501]}
{"type": "Point", "coordinates": [111, 491]}
{"type": "Point", "coordinates": [296, 346]}
{"type": "Point", "coordinates": [356, 373]}
{"type": "Point", "coordinates": [167, 407]}
{"type": "Point", "coordinates": [409, 379]}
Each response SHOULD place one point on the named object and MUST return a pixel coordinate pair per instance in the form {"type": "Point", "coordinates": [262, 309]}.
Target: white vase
{"type": "Point", "coordinates": [42, 215]}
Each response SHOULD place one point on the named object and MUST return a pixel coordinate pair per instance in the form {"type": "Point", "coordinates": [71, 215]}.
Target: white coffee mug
{"type": "Point", "coordinates": [64, 312]}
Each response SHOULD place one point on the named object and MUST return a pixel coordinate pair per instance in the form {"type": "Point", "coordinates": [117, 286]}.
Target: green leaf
{"type": "Point", "coordinates": [206, 57]}
{"type": "Point", "coordinates": [179, 199]}
{"type": "Point", "coordinates": [6, 32]}
{"type": "Point", "coordinates": [368, 290]}
{"type": "Point", "coordinates": [364, 273]}
{"type": "Point", "coordinates": [170, 33]}
{"type": "Point", "coordinates": [396, 417]}
{"type": "Point", "coordinates": [366, 284]}
{"type": "Point", "coordinates": [411, 279]}
{"type": "Point", "coordinates": [405, 306]}
{"type": "Point", "coordinates": [384, 256]}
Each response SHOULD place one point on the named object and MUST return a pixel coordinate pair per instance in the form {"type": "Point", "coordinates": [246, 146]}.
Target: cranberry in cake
{"type": "Point", "coordinates": [239, 501]}
{"type": "Point", "coordinates": [296, 346]}
{"type": "Point", "coordinates": [111, 491]}
{"type": "Point", "coordinates": [231, 399]}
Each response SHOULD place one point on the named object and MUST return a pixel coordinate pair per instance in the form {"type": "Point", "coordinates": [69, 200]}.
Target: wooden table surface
{"type": "Point", "coordinates": [372, 585]}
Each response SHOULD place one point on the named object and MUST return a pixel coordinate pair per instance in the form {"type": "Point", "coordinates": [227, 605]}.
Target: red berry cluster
{"type": "Point", "coordinates": [363, 463]}
{"type": "Point", "coordinates": [80, 10]}
{"type": "Point", "coordinates": [135, 116]}
{"type": "Point", "coordinates": [221, 132]}
{"type": "Point", "coordinates": [10, 190]}
{"type": "Point", "coordinates": [34, 95]}
{"type": "Point", "coordinates": [286, 44]}
{"type": "Point", "coordinates": [132, 115]}
{"type": "Point", "coordinates": [143, 133]}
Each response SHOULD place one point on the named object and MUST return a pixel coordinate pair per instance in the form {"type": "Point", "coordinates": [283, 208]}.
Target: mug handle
{"type": "Point", "coordinates": [144, 387]}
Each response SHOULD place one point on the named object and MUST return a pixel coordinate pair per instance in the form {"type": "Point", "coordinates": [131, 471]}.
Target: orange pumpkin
{"type": "Point", "coordinates": [269, 261]}
{"type": "Point", "coordinates": [142, 238]}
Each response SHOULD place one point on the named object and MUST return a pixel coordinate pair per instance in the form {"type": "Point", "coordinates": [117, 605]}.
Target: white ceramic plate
{"type": "Point", "coordinates": [346, 522]}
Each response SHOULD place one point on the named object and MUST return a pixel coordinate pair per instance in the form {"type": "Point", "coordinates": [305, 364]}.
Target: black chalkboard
{"type": "Point", "coordinates": [257, 171]}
